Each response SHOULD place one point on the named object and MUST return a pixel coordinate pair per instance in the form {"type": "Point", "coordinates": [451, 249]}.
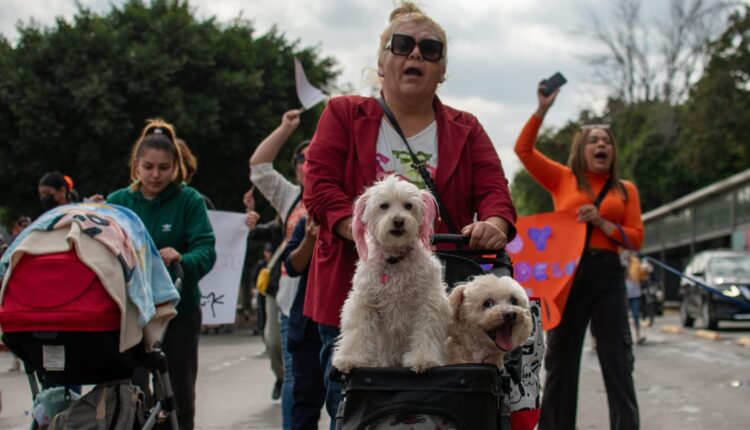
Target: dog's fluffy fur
{"type": "Point", "coordinates": [490, 318]}
{"type": "Point", "coordinates": [397, 312]}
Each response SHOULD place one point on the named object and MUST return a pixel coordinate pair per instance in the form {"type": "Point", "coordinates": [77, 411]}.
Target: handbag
{"type": "Point", "coordinates": [263, 281]}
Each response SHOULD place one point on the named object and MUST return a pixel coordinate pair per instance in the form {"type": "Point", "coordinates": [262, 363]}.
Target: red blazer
{"type": "Point", "coordinates": [341, 164]}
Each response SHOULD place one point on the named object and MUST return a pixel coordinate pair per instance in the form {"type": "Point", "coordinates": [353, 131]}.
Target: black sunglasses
{"type": "Point", "coordinates": [299, 158]}
{"type": "Point", "coordinates": [403, 44]}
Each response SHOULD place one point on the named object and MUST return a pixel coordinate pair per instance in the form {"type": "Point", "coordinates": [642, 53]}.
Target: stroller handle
{"type": "Point", "coordinates": [179, 274]}
{"type": "Point", "coordinates": [459, 239]}
{"type": "Point", "coordinates": [498, 258]}
{"type": "Point", "coordinates": [440, 238]}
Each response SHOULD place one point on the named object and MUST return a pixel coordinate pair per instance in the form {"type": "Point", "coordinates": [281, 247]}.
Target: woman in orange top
{"type": "Point", "coordinates": [598, 291]}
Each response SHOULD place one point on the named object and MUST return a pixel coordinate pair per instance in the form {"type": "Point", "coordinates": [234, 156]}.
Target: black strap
{"type": "Point", "coordinates": [597, 202]}
{"type": "Point", "coordinates": [420, 167]}
{"type": "Point", "coordinates": [291, 208]}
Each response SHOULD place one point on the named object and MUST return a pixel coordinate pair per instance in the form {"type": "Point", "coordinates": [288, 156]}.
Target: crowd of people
{"type": "Point", "coordinates": [308, 253]}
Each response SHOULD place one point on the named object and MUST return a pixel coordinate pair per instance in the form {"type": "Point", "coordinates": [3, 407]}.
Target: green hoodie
{"type": "Point", "coordinates": [177, 217]}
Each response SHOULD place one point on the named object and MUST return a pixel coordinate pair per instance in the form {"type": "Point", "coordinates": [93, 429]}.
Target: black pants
{"type": "Point", "coordinates": [261, 320]}
{"type": "Point", "coordinates": [597, 294]}
{"type": "Point", "coordinates": [309, 386]}
{"type": "Point", "coordinates": [181, 347]}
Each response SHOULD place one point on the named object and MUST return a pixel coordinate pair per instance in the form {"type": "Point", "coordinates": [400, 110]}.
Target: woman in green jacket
{"type": "Point", "coordinates": [176, 217]}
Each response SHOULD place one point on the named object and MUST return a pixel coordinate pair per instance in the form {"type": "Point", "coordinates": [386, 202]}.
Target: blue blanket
{"type": "Point", "coordinates": [148, 280]}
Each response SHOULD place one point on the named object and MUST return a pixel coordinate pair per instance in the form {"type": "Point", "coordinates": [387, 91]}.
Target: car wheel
{"type": "Point", "coordinates": [709, 322]}
{"type": "Point", "coordinates": [685, 318]}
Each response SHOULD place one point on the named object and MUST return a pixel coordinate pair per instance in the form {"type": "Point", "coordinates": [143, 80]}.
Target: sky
{"type": "Point", "coordinates": [498, 50]}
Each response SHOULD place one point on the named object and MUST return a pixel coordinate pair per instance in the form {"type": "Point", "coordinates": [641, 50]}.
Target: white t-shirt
{"type": "Point", "coordinates": [392, 156]}
{"type": "Point", "coordinates": [281, 194]}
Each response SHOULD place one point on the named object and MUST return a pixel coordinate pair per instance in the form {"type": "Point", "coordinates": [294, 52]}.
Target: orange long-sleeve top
{"type": "Point", "coordinates": [560, 181]}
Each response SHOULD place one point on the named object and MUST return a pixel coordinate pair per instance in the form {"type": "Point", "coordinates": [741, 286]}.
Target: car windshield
{"type": "Point", "coordinates": [731, 266]}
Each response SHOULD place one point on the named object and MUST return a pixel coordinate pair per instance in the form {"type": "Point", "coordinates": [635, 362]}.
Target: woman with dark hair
{"type": "Point", "coordinates": [176, 218]}
{"type": "Point", "coordinates": [591, 185]}
{"type": "Point", "coordinates": [56, 189]}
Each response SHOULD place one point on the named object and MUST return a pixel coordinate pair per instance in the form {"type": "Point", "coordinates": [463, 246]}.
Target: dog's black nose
{"type": "Point", "coordinates": [398, 222]}
{"type": "Point", "coordinates": [509, 316]}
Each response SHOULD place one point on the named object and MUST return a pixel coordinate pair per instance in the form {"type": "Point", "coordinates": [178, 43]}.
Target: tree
{"type": "Point", "coordinates": [75, 97]}
{"type": "Point", "coordinates": [715, 138]}
{"type": "Point", "coordinates": [656, 61]}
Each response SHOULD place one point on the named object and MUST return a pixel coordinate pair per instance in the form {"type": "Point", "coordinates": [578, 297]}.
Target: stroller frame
{"type": "Point", "coordinates": [154, 361]}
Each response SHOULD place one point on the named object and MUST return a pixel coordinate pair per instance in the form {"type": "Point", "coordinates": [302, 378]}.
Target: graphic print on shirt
{"type": "Point", "coordinates": [402, 165]}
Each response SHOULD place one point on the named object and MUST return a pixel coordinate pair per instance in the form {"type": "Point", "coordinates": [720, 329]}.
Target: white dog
{"type": "Point", "coordinates": [396, 314]}
{"type": "Point", "coordinates": [490, 317]}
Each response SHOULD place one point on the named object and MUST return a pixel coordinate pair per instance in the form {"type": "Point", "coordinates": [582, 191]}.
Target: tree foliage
{"type": "Point", "coordinates": [643, 62]}
{"type": "Point", "coordinates": [715, 138]}
{"type": "Point", "coordinates": [74, 97]}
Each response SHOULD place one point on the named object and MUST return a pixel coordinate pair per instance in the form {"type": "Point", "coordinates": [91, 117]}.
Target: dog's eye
{"type": "Point", "coordinates": [408, 206]}
{"type": "Point", "coordinates": [384, 206]}
{"type": "Point", "coordinates": [513, 301]}
{"type": "Point", "coordinates": [488, 303]}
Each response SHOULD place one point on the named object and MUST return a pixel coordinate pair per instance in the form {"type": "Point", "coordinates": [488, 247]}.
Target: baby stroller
{"type": "Point", "coordinates": [463, 396]}
{"type": "Point", "coordinates": [83, 302]}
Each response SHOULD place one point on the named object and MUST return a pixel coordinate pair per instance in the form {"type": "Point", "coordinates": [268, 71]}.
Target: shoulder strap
{"type": "Point", "coordinates": [420, 167]}
{"type": "Point", "coordinates": [597, 202]}
{"type": "Point", "coordinates": [602, 193]}
{"type": "Point", "coordinates": [291, 209]}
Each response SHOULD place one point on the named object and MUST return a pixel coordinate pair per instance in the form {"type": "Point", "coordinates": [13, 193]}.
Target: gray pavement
{"type": "Point", "coordinates": [684, 382]}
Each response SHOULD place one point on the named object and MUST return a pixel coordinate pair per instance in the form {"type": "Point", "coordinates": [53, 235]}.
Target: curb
{"type": "Point", "coordinates": [708, 334]}
{"type": "Point", "coordinates": [672, 329]}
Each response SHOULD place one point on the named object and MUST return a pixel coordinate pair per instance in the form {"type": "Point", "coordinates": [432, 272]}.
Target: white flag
{"type": "Point", "coordinates": [308, 95]}
{"type": "Point", "coordinates": [221, 286]}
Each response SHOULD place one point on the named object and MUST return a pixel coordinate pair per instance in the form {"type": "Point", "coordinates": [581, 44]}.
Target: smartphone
{"type": "Point", "coordinates": [552, 83]}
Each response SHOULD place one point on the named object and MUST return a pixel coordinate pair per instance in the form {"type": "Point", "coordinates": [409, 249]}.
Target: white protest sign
{"type": "Point", "coordinates": [221, 286]}
{"type": "Point", "coordinates": [308, 95]}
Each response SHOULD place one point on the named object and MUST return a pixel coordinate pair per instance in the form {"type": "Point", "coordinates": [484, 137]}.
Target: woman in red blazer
{"type": "Point", "coordinates": [354, 145]}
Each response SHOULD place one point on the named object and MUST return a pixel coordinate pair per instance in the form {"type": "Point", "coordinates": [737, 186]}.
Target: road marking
{"type": "Point", "coordinates": [223, 365]}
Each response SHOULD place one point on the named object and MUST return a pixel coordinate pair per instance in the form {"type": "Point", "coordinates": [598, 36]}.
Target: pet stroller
{"type": "Point", "coordinates": [73, 309]}
{"type": "Point", "coordinates": [461, 396]}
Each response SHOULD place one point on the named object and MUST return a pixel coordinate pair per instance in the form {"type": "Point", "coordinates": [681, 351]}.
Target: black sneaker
{"type": "Point", "coordinates": [276, 393]}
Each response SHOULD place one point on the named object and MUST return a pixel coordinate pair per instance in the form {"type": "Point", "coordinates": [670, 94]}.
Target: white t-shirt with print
{"type": "Point", "coordinates": [392, 156]}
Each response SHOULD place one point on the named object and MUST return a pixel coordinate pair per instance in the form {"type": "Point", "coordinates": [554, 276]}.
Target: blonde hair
{"type": "Point", "coordinates": [409, 12]}
{"type": "Point", "coordinates": [577, 162]}
{"type": "Point", "coordinates": [160, 135]}
{"type": "Point", "coordinates": [188, 159]}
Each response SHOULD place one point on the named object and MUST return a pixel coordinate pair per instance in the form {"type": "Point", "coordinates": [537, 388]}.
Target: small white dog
{"type": "Point", "coordinates": [397, 312]}
{"type": "Point", "coordinates": [490, 317]}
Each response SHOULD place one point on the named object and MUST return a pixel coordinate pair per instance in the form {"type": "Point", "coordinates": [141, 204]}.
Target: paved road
{"type": "Point", "coordinates": [684, 382]}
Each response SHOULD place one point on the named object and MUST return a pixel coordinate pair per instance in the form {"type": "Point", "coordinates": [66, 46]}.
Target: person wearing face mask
{"type": "Point", "coordinates": [55, 189]}
{"type": "Point", "coordinates": [176, 218]}
{"type": "Point", "coordinates": [357, 142]}
{"type": "Point", "coordinates": [591, 185]}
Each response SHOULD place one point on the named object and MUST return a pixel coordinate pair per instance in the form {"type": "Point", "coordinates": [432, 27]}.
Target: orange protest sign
{"type": "Point", "coordinates": [545, 256]}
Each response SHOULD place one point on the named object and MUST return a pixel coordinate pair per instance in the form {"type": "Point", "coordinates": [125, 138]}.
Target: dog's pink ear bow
{"type": "Point", "coordinates": [428, 218]}
{"type": "Point", "coordinates": [359, 228]}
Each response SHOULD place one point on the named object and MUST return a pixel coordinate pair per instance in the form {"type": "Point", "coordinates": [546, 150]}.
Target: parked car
{"type": "Point", "coordinates": [727, 272]}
